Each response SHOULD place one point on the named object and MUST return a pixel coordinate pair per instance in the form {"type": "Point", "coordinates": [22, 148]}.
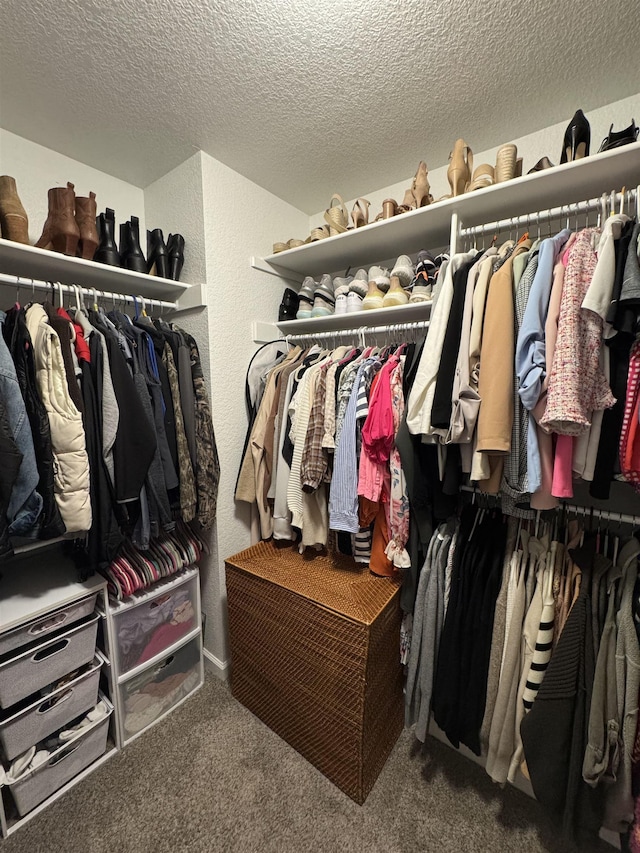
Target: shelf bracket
{"type": "Point", "coordinates": [193, 297]}
{"type": "Point", "coordinates": [262, 333]}
{"type": "Point", "coordinates": [264, 266]}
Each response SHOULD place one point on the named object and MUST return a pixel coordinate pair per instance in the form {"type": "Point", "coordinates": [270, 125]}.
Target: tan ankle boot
{"type": "Point", "coordinates": [61, 232]}
{"type": "Point", "coordinates": [86, 219]}
{"type": "Point", "coordinates": [14, 224]}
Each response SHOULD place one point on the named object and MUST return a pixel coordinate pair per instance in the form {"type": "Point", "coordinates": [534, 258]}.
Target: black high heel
{"type": "Point", "coordinates": [157, 258]}
{"type": "Point", "coordinates": [622, 137]}
{"type": "Point", "coordinates": [577, 137]}
{"type": "Point", "coordinates": [175, 251]}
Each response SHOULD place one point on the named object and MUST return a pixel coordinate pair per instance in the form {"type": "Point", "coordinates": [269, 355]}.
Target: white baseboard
{"type": "Point", "coordinates": [218, 667]}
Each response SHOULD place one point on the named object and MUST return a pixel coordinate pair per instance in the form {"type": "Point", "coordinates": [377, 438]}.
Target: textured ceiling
{"type": "Point", "coordinates": [303, 97]}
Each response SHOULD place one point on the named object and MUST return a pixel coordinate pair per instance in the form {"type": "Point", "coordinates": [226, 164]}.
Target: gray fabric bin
{"type": "Point", "coordinates": [46, 714]}
{"type": "Point", "coordinates": [40, 628]}
{"type": "Point", "coordinates": [29, 671]}
{"type": "Point", "coordinates": [63, 764]}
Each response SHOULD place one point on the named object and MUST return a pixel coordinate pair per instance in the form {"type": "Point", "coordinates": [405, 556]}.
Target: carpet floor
{"type": "Point", "coordinates": [212, 777]}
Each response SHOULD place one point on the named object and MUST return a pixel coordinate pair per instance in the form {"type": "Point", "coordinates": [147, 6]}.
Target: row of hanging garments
{"type": "Point", "coordinates": [105, 428]}
{"type": "Point", "coordinates": [528, 379]}
{"type": "Point", "coordinates": [328, 458]}
{"type": "Point", "coordinates": [525, 648]}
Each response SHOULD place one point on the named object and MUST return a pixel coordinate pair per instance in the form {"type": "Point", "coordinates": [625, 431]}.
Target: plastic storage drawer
{"type": "Point", "coordinates": [149, 695]}
{"type": "Point", "coordinates": [64, 763]}
{"type": "Point", "coordinates": [37, 718]}
{"type": "Point", "coordinates": [36, 630]}
{"type": "Point", "coordinates": [28, 671]}
{"type": "Point", "coordinates": [147, 629]}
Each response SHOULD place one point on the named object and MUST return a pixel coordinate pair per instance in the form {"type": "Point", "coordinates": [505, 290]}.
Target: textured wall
{"type": "Point", "coordinates": [36, 169]}
{"type": "Point", "coordinates": [240, 219]}
{"type": "Point", "coordinates": [531, 147]}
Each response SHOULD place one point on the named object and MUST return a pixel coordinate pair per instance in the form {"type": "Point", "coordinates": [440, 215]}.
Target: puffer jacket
{"type": "Point", "coordinates": [71, 479]}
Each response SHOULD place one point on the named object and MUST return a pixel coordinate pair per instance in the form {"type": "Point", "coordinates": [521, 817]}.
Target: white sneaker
{"type": "Point", "coordinates": [341, 304]}
{"type": "Point", "coordinates": [354, 302]}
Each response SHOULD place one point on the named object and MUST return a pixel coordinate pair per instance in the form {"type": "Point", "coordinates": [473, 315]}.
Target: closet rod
{"type": "Point", "coordinates": [569, 210]}
{"type": "Point", "coordinates": [35, 284]}
{"type": "Point", "coordinates": [361, 331]}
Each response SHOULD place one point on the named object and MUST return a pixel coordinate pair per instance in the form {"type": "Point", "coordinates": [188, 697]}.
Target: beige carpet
{"type": "Point", "coordinates": [212, 778]}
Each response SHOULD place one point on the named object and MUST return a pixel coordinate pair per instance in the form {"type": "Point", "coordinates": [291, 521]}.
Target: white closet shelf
{"type": "Point", "coordinates": [29, 262]}
{"type": "Point", "coordinates": [429, 227]}
{"type": "Point", "coordinates": [358, 319]}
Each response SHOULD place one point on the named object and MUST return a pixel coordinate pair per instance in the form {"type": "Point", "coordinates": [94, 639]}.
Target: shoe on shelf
{"type": "Point", "coordinates": [401, 279]}
{"type": "Point", "coordinates": [305, 297]}
{"type": "Point", "coordinates": [622, 137]}
{"type": "Point", "coordinates": [86, 220]}
{"type": "Point", "coordinates": [577, 137]}
{"type": "Point", "coordinates": [294, 243]}
{"type": "Point", "coordinates": [319, 233]}
{"type": "Point", "coordinates": [288, 306]}
{"type": "Point", "coordinates": [357, 291]}
{"type": "Point", "coordinates": [14, 224]}
{"type": "Point", "coordinates": [324, 298]}
{"type": "Point", "coordinates": [341, 291]}
{"type": "Point", "coordinates": [279, 247]}
{"type": "Point", "coordinates": [175, 252]}
{"type": "Point", "coordinates": [408, 202]}
{"type": "Point", "coordinates": [131, 257]}
{"type": "Point", "coordinates": [61, 232]}
{"type": "Point", "coordinates": [360, 212]}
{"type": "Point", "coordinates": [378, 285]}
{"type": "Point", "coordinates": [336, 216]}
{"type": "Point", "coordinates": [483, 176]}
{"type": "Point", "coordinates": [107, 251]}
{"type": "Point", "coordinates": [506, 163]}
{"type": "Point", "coordinates": [542, 164]}
{"type": "Point", "coordinates": [420, 186]}
{"type": "Point", "coordinates": [460, 167]}
{"type": "Point", "coordinates": [422, 290]}
{"type": "Point", "coordinates": [157, 258]}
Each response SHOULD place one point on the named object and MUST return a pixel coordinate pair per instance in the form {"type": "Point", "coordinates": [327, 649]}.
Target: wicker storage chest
{"type": "Point", "coordinates": [315, 655]}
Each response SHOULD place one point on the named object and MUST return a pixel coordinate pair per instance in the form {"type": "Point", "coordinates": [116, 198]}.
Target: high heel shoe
{"type": "Point", "coordinates": [460, 167]}
{"type": "Point", "coordinates": [61, 232]}
{"type": "Point", "coordinates": [483, 176]}
{"type": "Point", "coordinates": [577, 137]}
{"type": "Point", "coordinates": [86, 219]}
{"type": "Point", "coordinates": [408, 202]}
{"type": "Point", "coordinates": [14, 224]}
{"type": "Point", "coordinates": [622, 137]}
{"type": "Point", "coordinates": [506, 163]}
{"type": "Point", "coordinates": [107, 251]}
{"type": "Point", "coordinates": [336, 216]}
{"type": "Point", "coordinates": [360, 213]}
{"type": "Point", "coordinates": [131, 257]}
{"type": "Point", "coordinates": [157, 258]}
{"type": "Point", "coordinates": [175, 251]}
{"type": "Point", "coordinates": [420, 186]}
{"type": "Point", "coordinates": [542, 164]}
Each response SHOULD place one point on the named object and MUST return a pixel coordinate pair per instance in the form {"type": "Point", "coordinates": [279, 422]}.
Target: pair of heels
{"type": "Point", "coordinates": [70, 227]}
{"type": "Point", "coordinates": [508, 166]}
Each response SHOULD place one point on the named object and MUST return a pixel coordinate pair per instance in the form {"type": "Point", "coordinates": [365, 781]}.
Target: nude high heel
{"type": "Point", "coordinates": [336, 216]}
{"type": "Point", "coordinates": [420, 187]}
{"type": "Point", "coordinates": [360, 213]}
{"type": "Point", "coordinates": [460, 167]}
{"type": "Point", "coordinates": [506, 163]}
{"type": "Point", "coordinates": [408, 202]}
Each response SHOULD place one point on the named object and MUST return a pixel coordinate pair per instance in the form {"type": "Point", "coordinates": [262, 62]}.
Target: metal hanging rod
{"type": "Point", "coordinates": [26, 284]}
{"type": "Point", "coordinates": [396, 328]}
{"type": "Point", "coordinates": [611, 200]}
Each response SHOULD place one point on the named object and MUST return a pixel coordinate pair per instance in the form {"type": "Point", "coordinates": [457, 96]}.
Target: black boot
{"type": "Point", "coordinates": [131, 256]}
{"type": "Point", "coordinates": [289, 305]}
{"type": "Point", "coordinates": [175, 250]}
{"type": "Point", "coordinates": [107, 251]}
{"type": "Point", "coordinates": [157, 258]}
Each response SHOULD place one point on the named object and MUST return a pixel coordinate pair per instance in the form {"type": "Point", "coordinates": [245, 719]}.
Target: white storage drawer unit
{"type": "Point", "coordinates": [38, 717]}
{"type": "Point", "coordinates": [40, 628]}
{"type": "Point", "coordinates": [148, 696]}
{"type": "Point", "coordinates": [64, 763]}
{"type": "Point", "coordinates": [25, 672]}
{"type": "Point", "coordinates": [148, 624]}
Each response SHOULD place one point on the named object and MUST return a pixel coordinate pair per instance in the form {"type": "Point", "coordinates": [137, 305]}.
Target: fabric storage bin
{"type": "Point", "coordinates": [145, 629]}
{"type": "Point", "coordinates": [150, 694]}
{"type": "Point", "coordinates": [39, 628]}
{"type": "Point", "coordinates": [40, 717]}
{"type": "Point", "coordinates": [315, 654]}
{"type": "Point", "coordinates": [64, 763]}
{"type": "Point", "coordinates": [28, 671]}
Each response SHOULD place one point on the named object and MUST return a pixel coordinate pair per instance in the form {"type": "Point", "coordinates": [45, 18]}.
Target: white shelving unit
{"type": "Point", "coordinates": [431, 226]}
{"type": "Point", "coordinates": [17, 259]}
